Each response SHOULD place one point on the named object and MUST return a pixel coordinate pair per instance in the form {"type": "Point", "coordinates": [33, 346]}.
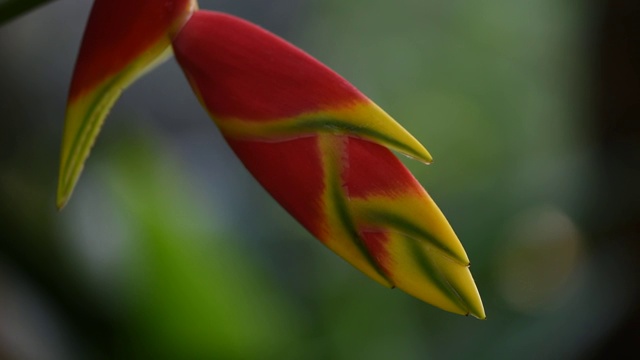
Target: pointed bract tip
{"type": "Point", "coordinates": [479, 315]}
{"type": "Point", "coordinates": [425, 157]}
{"type": "Point", "coordinates": [475, 307]}
{"type": "Point", "coordinates": [61, 202]}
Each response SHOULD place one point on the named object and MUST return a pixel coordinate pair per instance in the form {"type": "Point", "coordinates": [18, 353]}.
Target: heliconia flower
{"type": "Point", "coordinates": [319, 146]}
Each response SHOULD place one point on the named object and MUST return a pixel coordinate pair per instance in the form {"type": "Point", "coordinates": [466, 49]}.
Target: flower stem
{"type": "Point", "coordinates": [10, 9]}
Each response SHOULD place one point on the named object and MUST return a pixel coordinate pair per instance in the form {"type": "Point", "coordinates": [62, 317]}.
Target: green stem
{"type": "Point", "coordinates": [10, 9]}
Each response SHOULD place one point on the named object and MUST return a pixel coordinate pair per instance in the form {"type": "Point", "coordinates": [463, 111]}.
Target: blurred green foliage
{"type": "Point", "coordinates": [182, 303]}
{"type": "Point", "coordinates": [169, 249]}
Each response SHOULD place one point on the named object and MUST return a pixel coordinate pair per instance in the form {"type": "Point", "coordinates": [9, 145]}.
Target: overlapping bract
{"type": "Point", "coordinates": [318, 145]}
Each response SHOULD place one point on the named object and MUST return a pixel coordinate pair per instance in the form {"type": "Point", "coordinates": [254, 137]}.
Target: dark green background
{"type": "Point", "coordinates": [169, 249]}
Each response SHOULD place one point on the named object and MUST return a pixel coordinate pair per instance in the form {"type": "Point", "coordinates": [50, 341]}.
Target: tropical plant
{"type": "Point", "coordinates": [319, 146]}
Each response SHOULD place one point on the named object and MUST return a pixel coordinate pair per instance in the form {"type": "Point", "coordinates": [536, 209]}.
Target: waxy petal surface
{"type": "Point", "coordinates": [322, 149]}
{"type": "Point", "coordinates": [123, 39]}
{"type": "Point", "coordinates": [255, 84]}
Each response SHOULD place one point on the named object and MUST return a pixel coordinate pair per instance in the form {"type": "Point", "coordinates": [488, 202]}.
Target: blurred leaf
{"type": "Point", "coordinates": [192, 294]}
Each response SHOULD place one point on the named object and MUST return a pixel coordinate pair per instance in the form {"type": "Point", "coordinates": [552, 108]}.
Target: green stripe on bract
{"type": "Point", "coordinates": [82, 142]}
{"type": "Point", "coordinates": [406, 226]}
{"type": "Point", "coordinates": [339, 200]}
{"type": "Point", "coordinates": [283, 130]}
{"type": "Point", "coordinates": [433, 273]}
{"type": "Point", "coordinates": [96, 113]}
{"type": "Point", "coordinates": [337, 126]}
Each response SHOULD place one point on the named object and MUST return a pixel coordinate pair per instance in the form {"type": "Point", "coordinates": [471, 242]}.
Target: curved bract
{"type": "Point", "coordinates": [320, 147]}
{"type": "Point", "coordinates": [123, 39]}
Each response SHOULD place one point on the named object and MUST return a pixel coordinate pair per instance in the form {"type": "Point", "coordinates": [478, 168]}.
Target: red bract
{"type": "Point", "coordinates": [122, 40]}
{"type": "Point", "coordinates": [139, 31]}
{"type": "Point", "coordinates": [244, 72]}
{"type": "Point", "coordinates": [319, 146]}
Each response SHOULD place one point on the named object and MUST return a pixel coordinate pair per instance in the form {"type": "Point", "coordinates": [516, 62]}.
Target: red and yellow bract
{"type": "Point", "coordinates": [318, 145]}
{"type": "Point", "coordinates": [122, 40]}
